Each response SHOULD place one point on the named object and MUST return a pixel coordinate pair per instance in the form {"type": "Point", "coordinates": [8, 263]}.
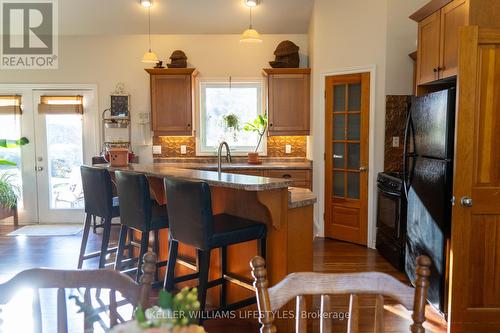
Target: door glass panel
{"type": "Point", "coordinates": [338, 183]}
{"type": "Point", "coordinates": [339, 98]}
{"type": "Point", "coordinates": [10, 130]}
{"type": "Point", "coordinates": [353, 156]}
{"type": "Point", "coordinates": [339, 127]}
{"type": "Point", "coordinates": [353, 185]}
{"type": "Point", "coordinates": [65, 155]}
{"type": "Point", "coordinates": [338, 155]}
{"type": "Point", "coordinates": [353, 127]}
{"type": "Point", "coordinates": [355, 97]}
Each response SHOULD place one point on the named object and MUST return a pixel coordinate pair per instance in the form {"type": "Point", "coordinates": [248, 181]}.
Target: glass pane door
{"type": "Point", "coordinates": [346, 131]}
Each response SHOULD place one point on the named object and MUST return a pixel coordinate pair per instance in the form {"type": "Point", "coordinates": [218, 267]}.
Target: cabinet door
{"type": "Point", "coordinates": [171, 104]}
{"type": "Point", "coordinates": [453, 16]}
{"type": "Point", "coordinates": [428, 49]}
{"type": "Point", "coordinates": [288, 104]}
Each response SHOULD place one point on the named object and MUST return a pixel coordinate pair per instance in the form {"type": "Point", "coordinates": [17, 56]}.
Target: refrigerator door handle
{"type": "Point", "coordinates": [408, 125]}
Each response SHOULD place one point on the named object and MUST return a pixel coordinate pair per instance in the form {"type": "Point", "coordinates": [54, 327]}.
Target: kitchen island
{"type": "Point", "coordinates": [287, 212]}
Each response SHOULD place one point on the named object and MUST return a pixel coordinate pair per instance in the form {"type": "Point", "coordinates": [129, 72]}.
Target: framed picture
{"type": "Point", "coordinates": [120, 105]}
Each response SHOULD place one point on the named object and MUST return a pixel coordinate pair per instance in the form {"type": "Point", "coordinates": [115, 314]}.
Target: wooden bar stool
{"type": "Point", "coordinates": [192, 222]}
{"type": "Point", "coordinates": [99, 202]}
{"type": "Point", "coordinates": [138, 212]}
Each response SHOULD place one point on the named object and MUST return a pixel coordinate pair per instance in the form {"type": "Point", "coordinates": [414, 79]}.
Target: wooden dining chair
{"type": "Point", "coordinates": [298, 285]}
{"type": "Point", "coordinates": [43, 278]}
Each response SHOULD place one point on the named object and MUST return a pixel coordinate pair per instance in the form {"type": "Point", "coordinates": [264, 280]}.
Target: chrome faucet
{"type": "Point", "coordinates": [219, 156]}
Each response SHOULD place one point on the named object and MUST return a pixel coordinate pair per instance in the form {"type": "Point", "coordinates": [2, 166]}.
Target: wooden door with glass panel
{"type": "Point", "coordinates": [346, 157]}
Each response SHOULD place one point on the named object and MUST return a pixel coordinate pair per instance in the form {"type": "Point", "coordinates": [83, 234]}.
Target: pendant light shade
{"type": "Point", "coordinates": [250, 35]}
{"type": "Point", "coordinates": [149, 57]}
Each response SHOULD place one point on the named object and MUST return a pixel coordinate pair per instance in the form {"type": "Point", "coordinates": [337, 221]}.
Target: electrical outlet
{"type": "Point", "coordinates": [156, 150]}
{"type": "Point", "coordinates": [395, 141]}
{"type": "Point", "coordinates": [288, 149]}
{"type": "Point", "coordinates": [183, 150]}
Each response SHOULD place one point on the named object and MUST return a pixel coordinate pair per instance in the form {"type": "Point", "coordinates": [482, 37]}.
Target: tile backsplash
{"type": "Point", "coordinates": [395, 118]}
{"type": "Point", "coordinates": [171, 146]}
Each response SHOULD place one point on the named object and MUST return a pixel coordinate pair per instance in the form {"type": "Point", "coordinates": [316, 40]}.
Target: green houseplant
{"type": "Point", "coordinates": [9, 190]}
{"type": "Point", "coordinates": [259, 126]}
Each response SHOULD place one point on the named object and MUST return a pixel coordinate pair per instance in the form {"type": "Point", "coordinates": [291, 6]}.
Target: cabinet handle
{"type": "Point", "coordinates": [189, 125]}
{"type": "Point", "coordinates": [287, 176]}
{"type": "Point", "coordinates": [271, 125]}
{"type": "Point", "coordinates": [435, 69]}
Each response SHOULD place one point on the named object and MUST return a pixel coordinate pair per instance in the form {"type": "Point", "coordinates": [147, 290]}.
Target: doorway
{"type": "Point", "coordinates": [347, 115]}
{"type": "Point", "coordinates": [62, 129]}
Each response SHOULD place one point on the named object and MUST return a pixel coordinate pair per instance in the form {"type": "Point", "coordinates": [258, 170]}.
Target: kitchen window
{"type": "Point", "coordinates": [225, 106]}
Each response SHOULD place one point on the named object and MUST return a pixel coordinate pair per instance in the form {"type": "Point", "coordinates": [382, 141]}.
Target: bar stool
{"type": "Point", "coordinates": [99, 202]}
{"type": "Point", "coordinates": [192, 222]}
{"type": "Point", "coordinates": [138, 212]}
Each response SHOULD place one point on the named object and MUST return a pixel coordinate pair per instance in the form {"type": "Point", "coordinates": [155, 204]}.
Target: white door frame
{"type": "Point", "coordinates": [372, 198]}
{"type": "Point", "coordinates": [91, 129]}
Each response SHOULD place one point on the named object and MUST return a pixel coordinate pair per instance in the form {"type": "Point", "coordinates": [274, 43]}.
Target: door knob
{"type": "Point", "coordinates": [466, 201]}
{"type": "Point", "coordinates": [38, 168]}
{"type": "Point", "coordinates": [363, 169]}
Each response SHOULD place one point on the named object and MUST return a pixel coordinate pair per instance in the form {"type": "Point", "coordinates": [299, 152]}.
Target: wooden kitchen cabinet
{"type": "Point", "coordinates": [172, 100]}
{"type": "Point", "coordinates": [439, 23]}
{"type": "Point", "coordinates": [300, 177]}
{"type": "Point", "coordinates": [288, 100]}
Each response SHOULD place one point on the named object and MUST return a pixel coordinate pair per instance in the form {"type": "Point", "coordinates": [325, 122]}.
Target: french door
{"type": "Point", "coordinates": [346, 157]}
{"type": "Point", "coordinates": [48, 168]}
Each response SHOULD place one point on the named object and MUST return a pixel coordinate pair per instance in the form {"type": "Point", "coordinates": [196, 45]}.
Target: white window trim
{"type": "Point", "coordinates": [224, 80]}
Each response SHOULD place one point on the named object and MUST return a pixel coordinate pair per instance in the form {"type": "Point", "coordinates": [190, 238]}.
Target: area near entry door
{"type": "Point", "coordinates": [475, 228]}
{"type": "Point", "coordinates": [346, 157]}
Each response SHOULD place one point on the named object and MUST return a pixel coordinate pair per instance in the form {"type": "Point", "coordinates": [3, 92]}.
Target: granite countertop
{"type": "Point", "coordinates": [300, 197]}
{"type": "Point", "coordinates": [241, 182]}
{"type": "Point", "coordinates": [297, 197]}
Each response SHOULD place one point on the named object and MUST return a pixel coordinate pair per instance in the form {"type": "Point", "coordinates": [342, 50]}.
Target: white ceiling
{"type": "Point", "coordinates": [111, 17]}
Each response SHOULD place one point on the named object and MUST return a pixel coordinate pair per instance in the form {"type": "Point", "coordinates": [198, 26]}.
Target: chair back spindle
{"type": "Point", "coordinates": [62, 315]}
{"type": "Point", "coordinates": [325, 324]}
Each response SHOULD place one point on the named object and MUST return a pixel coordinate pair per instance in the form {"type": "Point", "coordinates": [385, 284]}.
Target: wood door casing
{"type": "Point", "coordinates": [171, 104]}
{"type": "Point", "coordinates": [453, 17]}
{"type": "Point", "coordinates": [289, 104]}
{"type": "Point", "coordinates": [428, 48]}
{"type": "Point", "coordinates": [346, 216]}
{"type": "Point", "coordinates": [475, 233]}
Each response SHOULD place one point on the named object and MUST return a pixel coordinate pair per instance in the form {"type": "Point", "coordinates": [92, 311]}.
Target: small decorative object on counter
{"type": "Point", "coordinates": [173, 314]}
{"type": "Point", "coordinates": [287, 55]}
{"type": "Point", "coordinates": [159, 64]}
{"type": "Point", "coordinates": [259, 126]}
{"type": "Point", "coordinates": [178, 60]}
{"type": "Point", "coordinates": [118, 157]}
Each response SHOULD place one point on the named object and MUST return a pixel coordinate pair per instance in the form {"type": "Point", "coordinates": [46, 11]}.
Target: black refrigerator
{"type": "Point", "coordinates": [428, 174]}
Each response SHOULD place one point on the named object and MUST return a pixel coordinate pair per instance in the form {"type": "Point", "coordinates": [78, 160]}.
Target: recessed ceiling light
{"type": "Point", "coordinates": [251, 3]}
{"type": "Point", "coordinates": [146, 3]}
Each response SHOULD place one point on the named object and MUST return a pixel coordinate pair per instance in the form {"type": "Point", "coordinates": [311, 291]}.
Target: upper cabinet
{"type": "Point", "coordinates": [439, 23]}
{"type": "Point", "coordinates": [288, 100]}
{"type": "Point", "coordinates": [172, 100]}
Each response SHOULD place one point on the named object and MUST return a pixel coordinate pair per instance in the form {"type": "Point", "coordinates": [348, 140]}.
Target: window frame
{"type": "Point", "coordinates": [201, 148]}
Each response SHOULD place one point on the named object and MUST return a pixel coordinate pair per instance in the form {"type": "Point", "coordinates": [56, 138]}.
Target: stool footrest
{"type": "Point", "coordinates": [187, 262]}
{"type": "Point", "coordinates": [241, 304]}
{"type": "Point", "coordinates": [239, 280]}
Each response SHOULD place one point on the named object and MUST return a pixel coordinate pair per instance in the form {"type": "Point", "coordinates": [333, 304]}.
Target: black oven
{"type": "Point", "coordinates": [391, 218]}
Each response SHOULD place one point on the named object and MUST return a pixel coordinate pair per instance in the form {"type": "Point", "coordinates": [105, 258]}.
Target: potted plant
{"type": "Point", "coordinates": [232, 124]}
{"type": "Point", "coordinates": [9, 190]}
{"type": "Point", "coordinates": [259, 126]}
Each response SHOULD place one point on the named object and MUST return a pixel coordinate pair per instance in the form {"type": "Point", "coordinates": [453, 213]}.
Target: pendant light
{"type": "Point", "coordinates": [250, 35]}
{"type": "Point", "coordinates": [150, 56]}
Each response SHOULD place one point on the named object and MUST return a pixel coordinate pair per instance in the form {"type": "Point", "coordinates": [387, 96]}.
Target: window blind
{"type": "Point", "coordinates": [61, 105]}
{"type": "Point", "coordinates": [10, 104]}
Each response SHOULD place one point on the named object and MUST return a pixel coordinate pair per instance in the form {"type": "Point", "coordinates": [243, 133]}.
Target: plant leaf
{"type": "Point", "coordinates": [5, 162]}
{"type": "Point", "coordinates": [165, 299]}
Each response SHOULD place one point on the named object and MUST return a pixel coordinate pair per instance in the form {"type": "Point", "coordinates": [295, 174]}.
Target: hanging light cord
{"type": "Point", "coordinates": [149, 27]}
{"type": "Point", "coordinates": [250, 17]}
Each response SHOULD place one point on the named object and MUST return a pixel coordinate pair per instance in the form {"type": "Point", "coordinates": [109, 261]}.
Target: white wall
{"type": "Point", "coordinates": [346, 34]}
{"type": "Point", "coordinates": [107, 60]}
{"type": "Point", "coordinates": [352, 34]}
{"type": "Point", "coordinates": [401, 41]}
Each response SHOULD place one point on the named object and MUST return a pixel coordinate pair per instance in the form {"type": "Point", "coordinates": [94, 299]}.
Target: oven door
{"type": "Point", "coordinates": [389, 214]}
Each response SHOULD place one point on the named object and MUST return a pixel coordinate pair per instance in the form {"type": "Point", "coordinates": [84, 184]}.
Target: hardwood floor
{"type": "Point", "coordinates": [20, 253]}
